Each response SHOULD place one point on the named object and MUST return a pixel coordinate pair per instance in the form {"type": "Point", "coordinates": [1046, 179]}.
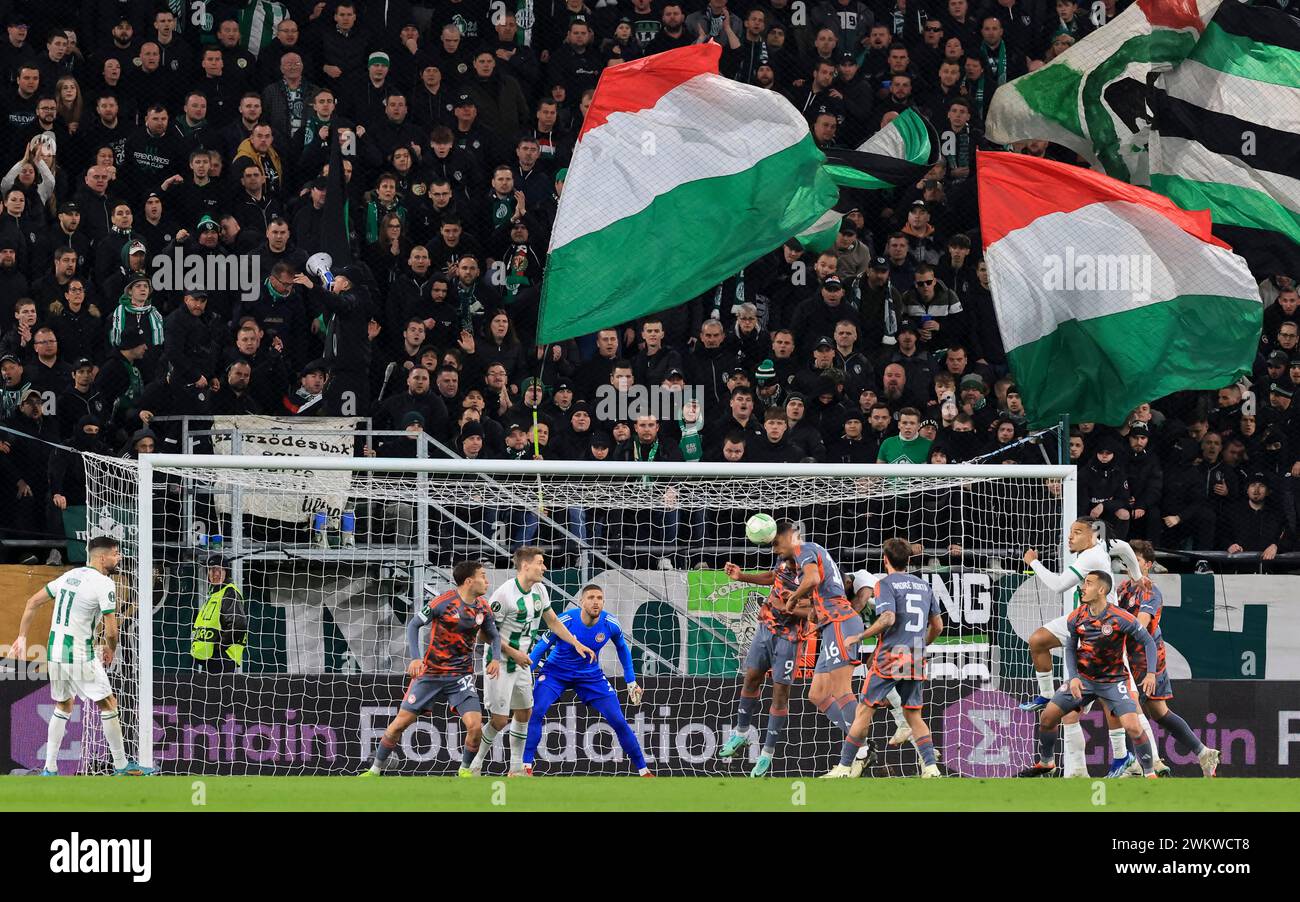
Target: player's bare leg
{"type": "Point", "coordinates": [473, 723]}
{"type": "Point", "coordinates": [392, 736]}
{"type": "Point", "coordinates": [1207, 757]}
{"type": "Point", "coordinates": [1041, 643]}
{"type": "Point", "coordinates": [750, 692]}
{"type": "Point", "coordinates": [54, 736]}
{"type": "Point", "coordinates": [496, 723]}
{"type": "Point", "coordinates": [776, 717]}
{"type": "Point", "coordinates": [924, 743]}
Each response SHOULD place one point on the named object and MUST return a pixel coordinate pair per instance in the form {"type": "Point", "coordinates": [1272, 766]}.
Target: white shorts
{"type": "Point", "coordinates": [1058, 628]}
{"type": "Point", "coordinates": [508, 691]}
{"type": "Point", "coordinates": [86, 678]}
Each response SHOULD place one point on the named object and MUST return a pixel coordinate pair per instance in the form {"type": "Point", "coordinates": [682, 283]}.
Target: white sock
{"type": "Point", "coordinates": [54, 739]}
{"type": "Point", "coordinates": [1046, 685]}
{"type": "Point", "coordinates": [1151, 737]}
{"type": "Point", "coordinates": [1076, 764]}
{"type": "Point", "coordinates": [113, 735]}
{"type": "Point", "coordinates": [1118, 744]}
{"type": "Point", "coordinates": [518, 739]}
{"type": "Point", "coordinates": [643, 771]}
{"type": "Point", "coordinates": [896, 707]}
{"type": "Point", "coordinates": [485, 745]}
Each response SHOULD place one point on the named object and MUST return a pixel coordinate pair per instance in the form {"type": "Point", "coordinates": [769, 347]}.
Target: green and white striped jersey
{"type": "Point", "coordinates": [519, 616]}
{"type": "Point", "coordinates": [81, 597]}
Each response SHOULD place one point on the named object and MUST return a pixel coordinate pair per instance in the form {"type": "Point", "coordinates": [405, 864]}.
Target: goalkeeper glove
{"type": "Point", "coordinates": [634, 693]}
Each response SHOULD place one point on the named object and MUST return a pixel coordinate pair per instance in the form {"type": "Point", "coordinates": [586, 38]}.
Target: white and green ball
{"type": "Point", "coordinates": [760, 529]}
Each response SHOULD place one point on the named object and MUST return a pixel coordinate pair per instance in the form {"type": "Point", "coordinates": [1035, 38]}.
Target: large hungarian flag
{"type": "Point", "coordinates": [680, 178]}
{"type": "Point", "coordinates": [1108, 295]}
{"type": "Point", "coordinates": [1094, 98]}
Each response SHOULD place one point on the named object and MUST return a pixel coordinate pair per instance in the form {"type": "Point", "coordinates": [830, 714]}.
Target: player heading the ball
{"type": "Point", "coordinates": [831, 690]}
{"type": "Point", "coordinates": [444, 671]}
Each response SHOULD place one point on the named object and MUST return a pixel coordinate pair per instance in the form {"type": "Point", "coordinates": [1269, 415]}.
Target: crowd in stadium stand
{"type": "Point", "coordinates": [206, 127]}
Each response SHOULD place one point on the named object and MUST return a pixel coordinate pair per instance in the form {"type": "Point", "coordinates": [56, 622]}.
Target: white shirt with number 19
{"type": "Point", "coordinates": [81, 597]}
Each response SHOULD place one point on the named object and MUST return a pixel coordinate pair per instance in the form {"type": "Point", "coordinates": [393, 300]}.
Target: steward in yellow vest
{"type": "Point", "coordinates": [221, 627]}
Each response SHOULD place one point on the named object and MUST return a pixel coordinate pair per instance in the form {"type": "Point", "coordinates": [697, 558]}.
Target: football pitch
{"type": "Point", "coordinates": [616, 794]}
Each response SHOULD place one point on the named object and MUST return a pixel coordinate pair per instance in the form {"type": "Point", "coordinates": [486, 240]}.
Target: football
{"type": "Point", "coordinates": [760, 529]}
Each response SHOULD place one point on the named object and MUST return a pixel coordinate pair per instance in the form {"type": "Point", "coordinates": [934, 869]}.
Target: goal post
{"type": "Point", "coordinates": [322, 667]}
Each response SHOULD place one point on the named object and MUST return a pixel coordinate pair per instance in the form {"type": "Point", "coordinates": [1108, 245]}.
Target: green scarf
{"type": "Point", "coordinates": [997, 67]}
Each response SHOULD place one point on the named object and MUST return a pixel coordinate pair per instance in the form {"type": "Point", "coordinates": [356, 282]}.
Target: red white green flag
{"type": "Point", "coordinates": [1108, 295]}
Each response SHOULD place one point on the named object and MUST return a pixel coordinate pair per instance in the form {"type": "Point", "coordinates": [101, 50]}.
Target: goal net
{"type": "Point", "coordinates": [333, 555]}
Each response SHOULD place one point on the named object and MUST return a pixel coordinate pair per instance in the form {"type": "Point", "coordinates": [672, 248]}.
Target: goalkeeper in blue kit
{"type": "Point", "coordinates": [561, 669]}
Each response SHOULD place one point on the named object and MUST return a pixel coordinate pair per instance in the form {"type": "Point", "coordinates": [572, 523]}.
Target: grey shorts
{"type": "Point", "coordinates": [877, 688]}
{"type": "Point", "coordinates": [1115, 696]}
{"type": "Point", "coordinates": [459, 693]}
{"type": "Point", "coordinates": [833, 654]}
{"type": "Point", "coordinates": [770, 651]}
{"type": "Point", "coordinates": [1164, 688]}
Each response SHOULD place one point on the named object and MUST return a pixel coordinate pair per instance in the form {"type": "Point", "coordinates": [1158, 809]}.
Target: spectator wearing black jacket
{"type": "Point", "coordinates": [776, 446]}
{"type": "Point", "coordinates": [1185, 510]}
{"type": "Point", "coordinates": [1146, 482]}
{"type": "Point", "coordinates": [1255, 524]}
{"type": "Point", "coordinates": [193, 337]}
{"type": "Point", "coordinates": [77, 323]}
{"type": "Point", "coordinates": [419, 397]}
{"type": "Point", "coordinates": [24, 471]}
{"type": "Point", "coordinates": [348, 312]}
{"type": "Point", "coordinates": [232, 396]}
{"type": "Point", "coordinates": [1103, 486]}
{"type": "Point", "coordinates": [67, 472]}
{"type": "Point", "coordinates": [80, 400]}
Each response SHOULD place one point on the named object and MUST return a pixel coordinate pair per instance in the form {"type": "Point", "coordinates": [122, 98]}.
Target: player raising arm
{"type": "Point", "coordinates": [831, 690]}
{"type": "Point", "coordinates": [81, 597]}
{"type": "Point", "coordinates": [564, 668]}
{"type": "Point", "coordinates": [1143, 600]}
{"type": "Point", "coordinates": [1089, 554]}
{"type": "Point", "coordinates": [1095, 668]}
{"type": "Point", "coordinates": [907, 620]}
{"type": "Point", "coordinates": [518, 607]}
{"type": "Point", "coordinates": [776, 647]}
{"type": "Point", "coordinates": [445, 670]}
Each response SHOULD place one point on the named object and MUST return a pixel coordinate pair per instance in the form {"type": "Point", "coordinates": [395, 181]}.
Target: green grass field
{"type": "Point", "coordinates": [636, 794]}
